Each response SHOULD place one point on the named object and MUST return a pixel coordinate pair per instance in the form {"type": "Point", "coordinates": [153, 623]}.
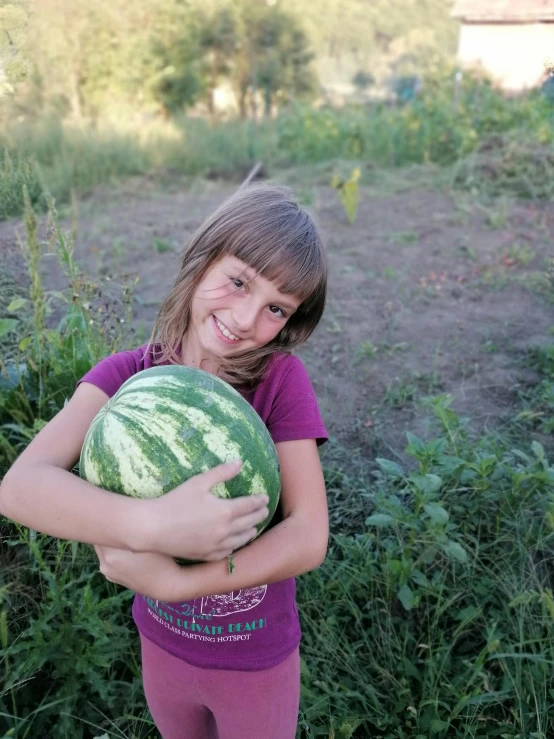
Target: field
{"type": "Point", "coordinates": [434, 370]}
{"type": "Point", "coordinates": [430, 291]}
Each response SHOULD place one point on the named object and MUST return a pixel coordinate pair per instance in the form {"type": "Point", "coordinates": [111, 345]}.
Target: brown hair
{"type": "Point", "coordinates": [265, 227]}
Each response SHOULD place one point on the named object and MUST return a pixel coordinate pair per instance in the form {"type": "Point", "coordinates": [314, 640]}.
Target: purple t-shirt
{"type": "Point", "coordinates": [251, 629]}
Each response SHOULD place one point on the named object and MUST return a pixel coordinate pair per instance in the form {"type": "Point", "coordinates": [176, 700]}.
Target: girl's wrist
{"type": "Point", "coordinates": [194, 581]}
{"type": "Point", "coordinates": [139, 528]}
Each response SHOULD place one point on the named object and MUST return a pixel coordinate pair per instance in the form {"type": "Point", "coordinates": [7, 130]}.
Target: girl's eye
{"type": "Point", "coordinates": [237, 283]}
{"type": "Point", "coordinates": [277, 311]}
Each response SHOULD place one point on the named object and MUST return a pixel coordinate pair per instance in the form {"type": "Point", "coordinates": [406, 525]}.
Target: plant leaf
{"type": "Point", "coordinates": [455, 551]}
{"type": "Point", "coordinates": [426, 483]}
{"type": "Point", "coordinates": [24, 343]}
{"type": "Point", "coordinates": [406, 597]}
{"type": "Point", "coordinates": [436, 513]}
{"type": "Point", "coordinates": [8, 326]}
{"type": "Point", "coordinates": [16, 304]}
{"type": "Point", "coordinates": [392, 469]}
{"type": "Point", "coordinates": [379, 519]}
{"type": "Point", "coordinates": [538, 450]}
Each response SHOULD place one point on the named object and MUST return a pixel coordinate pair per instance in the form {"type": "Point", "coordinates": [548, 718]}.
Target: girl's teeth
{"type": "Point", "coordinates": [225, 332]}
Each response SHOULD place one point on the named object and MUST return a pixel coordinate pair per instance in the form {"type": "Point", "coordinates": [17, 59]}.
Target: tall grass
{"type": "Point", "coordinates": [440, 125]}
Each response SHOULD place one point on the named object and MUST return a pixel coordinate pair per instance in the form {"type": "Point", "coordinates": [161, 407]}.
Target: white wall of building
{"type": "Point", "coordinates": [516, 55]}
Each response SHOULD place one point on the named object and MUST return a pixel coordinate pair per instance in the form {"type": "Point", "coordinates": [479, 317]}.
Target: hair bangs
{"type": "Point", "coordinates": [296, 266]}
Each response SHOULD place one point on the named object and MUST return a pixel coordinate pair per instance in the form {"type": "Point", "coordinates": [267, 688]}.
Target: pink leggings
{"type": "Point", "coordinates": [189, 702]}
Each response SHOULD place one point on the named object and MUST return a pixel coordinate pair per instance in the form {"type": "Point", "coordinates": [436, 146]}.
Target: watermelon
{"type": "Point", "coordinates": [168, 423]}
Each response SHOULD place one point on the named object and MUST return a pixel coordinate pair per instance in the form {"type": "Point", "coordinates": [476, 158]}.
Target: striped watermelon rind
{"type": "Point", "coordinates": [168, 423]}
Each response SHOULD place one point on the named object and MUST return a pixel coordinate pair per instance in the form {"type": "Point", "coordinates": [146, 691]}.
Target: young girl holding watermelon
{"type": "Point", "coordinates": [215, 663]}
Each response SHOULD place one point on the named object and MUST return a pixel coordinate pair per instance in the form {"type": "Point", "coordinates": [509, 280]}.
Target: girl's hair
{"type": "Point", "coordinates": [265, 227]}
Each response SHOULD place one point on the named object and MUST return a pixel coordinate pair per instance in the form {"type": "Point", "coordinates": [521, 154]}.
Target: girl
{"type": "Point", "coordinates": [216, 664]}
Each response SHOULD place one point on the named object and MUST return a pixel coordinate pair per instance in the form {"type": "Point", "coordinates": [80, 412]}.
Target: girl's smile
{"type": "Point", "coordinates": [234, 310]}
{"type": "Point", "coordinates": [224, 332]}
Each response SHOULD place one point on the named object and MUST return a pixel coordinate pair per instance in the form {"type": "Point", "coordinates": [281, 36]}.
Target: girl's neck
{"type": "Point", "coordinates": [190, 358]}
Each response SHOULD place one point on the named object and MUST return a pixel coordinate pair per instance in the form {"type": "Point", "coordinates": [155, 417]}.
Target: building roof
{"type": "Point", "coordinates": [504, 11]}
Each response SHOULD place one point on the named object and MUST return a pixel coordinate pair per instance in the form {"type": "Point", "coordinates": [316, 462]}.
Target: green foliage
{"type": "Point", "coordinates": [14, 18]}
{"type": "Point", "coordinates": [109, 58]}
{"type": "Point", "coordinates": [282, 56]}
{"type": "Point", "coordinates": [58, 337]}
{"type": "Point", "coordinates": [386, 36]}
{"type": "Point", "coordinates": [435, 618]}
{"type": "Point", "coordinates": [495, 144]}
{"type": "Point", "coordinates": [348, 192]}
{"type": "Point", "coordinates": [538, 411]}
{"type": "Point", "coordinates": [176, 50]}
{"type": "Point", "coordinates": [514, 164]}
{"type": "Point", "coordinates": [66, 649]}
{"type": "Point", "coordinates": [70, 159]}
{"type": "Point", "coordinates": [431, 128]}
{"type": "Point", "coordinates": [17, 171]}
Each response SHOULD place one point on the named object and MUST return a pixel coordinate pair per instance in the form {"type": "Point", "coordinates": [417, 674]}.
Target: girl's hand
{"type": "Point", "coordinates": [146, 573]}
{"type": "Point", "coordinates": [191, 523]}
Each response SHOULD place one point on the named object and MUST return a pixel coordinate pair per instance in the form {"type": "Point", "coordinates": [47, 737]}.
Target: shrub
{"type": "Point", "coordinates": [514, 164]}
{"type": "Point", "coordinates": [435, 618]}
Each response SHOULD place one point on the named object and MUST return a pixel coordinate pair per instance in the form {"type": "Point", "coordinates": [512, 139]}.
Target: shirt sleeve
{"type": "Point", "coordinates": [295, 413]}
{"type": "Point", "coordinates": [112, 371]}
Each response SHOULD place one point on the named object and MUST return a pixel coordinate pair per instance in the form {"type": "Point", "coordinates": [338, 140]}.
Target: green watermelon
{"type": "Point", "coordinates": [168, 423]}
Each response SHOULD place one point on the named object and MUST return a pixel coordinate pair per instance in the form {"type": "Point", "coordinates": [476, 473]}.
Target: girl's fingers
{"type": "Point", "coordinates": [245, 524]}
{"type": "Point", "coordinates": [221, 473]}
{"type": "Point", "coordinates": [248, 505]}
{"type": "Point", "coordinates": [240, 540]}
{"type": "Point", "coordinates": [232, 544]}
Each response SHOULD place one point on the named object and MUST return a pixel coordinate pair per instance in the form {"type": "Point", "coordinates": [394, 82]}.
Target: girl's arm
{"type": "Point", "coordinates": [295, 545]}
{"type": "Point", "coordinates": [39, 491]}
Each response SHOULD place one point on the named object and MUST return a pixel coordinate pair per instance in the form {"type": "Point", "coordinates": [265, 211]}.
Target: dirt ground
{"type": "Point", "coordinates": [430, 292]}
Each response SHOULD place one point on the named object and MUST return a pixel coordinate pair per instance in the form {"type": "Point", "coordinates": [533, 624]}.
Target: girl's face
{"type": "Point", "coordinates": [234, 310]}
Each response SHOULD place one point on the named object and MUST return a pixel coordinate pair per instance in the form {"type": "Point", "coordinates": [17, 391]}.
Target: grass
{"type": "Point", "coordinates": [496, 145]}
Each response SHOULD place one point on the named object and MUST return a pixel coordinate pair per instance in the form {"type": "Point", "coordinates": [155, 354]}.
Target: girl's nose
{"type": "Point", "coordinates": [244, 316]}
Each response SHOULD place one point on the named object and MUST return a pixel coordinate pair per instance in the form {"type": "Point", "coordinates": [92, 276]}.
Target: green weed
{"type": "Point", "coordinates": [520, 254]}
{"type": "Point", "coordinates": [366, 350]}
{"type": "Point", "coordinates": [403, 392]}
{"type": "Point", "coordinates": [162, 245]}
{"type": "Point", "coordinates": [403, 238]}
{"type": "Point", "coordinates": [348, 192]}
{"type": "Point", "coordinates": [433, 618]}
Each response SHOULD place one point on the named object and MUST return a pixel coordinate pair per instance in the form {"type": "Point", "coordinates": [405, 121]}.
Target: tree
{"type": "Point", "coordinates": [274, 58]}
{"type": "Point", "coordinates": [378, 35]}
{"type": "Point", "coordinates": [86, 59]}
{"type": "Point", "coordinates": [177, 81]}
{"type": "Point", "coordinates": [14, 66]}
{"type": "Point", "coordinates": [221, 43]}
